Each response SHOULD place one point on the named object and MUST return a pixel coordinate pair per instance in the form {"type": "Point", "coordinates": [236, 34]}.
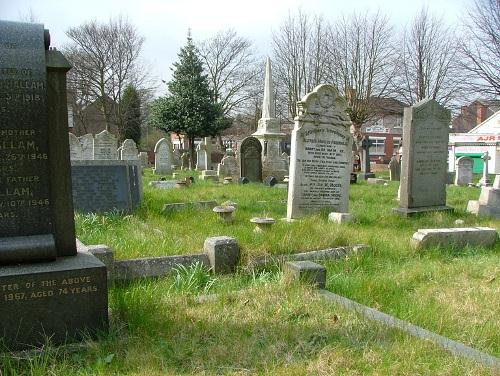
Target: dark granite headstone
{"type": "Point", "coordinates": [251, 159]}
{"type": "Point", "coordinates": [66, 294]}
{"type": "Point", "coordinates": [100, 186]}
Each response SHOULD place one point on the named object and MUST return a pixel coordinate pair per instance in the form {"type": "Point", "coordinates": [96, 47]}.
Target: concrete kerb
{"type": "Point", "coordinates": [456, 348]}
{"type": "Point", "coordinates": [215, 250]}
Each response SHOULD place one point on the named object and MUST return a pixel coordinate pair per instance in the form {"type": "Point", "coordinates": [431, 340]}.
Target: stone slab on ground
{"type": "Point", "coordinates": [457, 236]}
{"type": "Point", "coordinates": [306, 271]}
{"type": "Point", "coordinates": [376, 181]}
{"type": "Point", "coordinates": [409, 212]}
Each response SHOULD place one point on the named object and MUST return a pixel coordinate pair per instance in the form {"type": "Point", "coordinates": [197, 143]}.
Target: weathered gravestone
{"type": "Point", "coordinates": [463, 170]}
{"type": "Point", "coordinates": [424, 167]}
{"type": "Point", "coordinates": [163, 157]}
{"type": "Point", "coordinates": [228, 167]}
{"type": "Point", "coordinates": [105, 146]}
{"type": "Point", "coordinates": [143, 157]}
{"type": "Point", "coordinates": [129, 151]}
{"type": "Point", "coordinates": [251, 159]}
{"type": "Point", "coordinates": [75, 148]}
{"type": "Point", "coordinates": [488, 204]}
{"type": "Point", "coordinates": [485, 180]}
{"type": "Point", "coordinates": [87, 142]}
{"type": "Point", "coordinates": [320, 161]}
{"type": "Point", "coordinates": [64, 294]}
{"type": "Point", "coordinates": [185, 161]}
{"type": "Point", "coordinates": [394, 169]}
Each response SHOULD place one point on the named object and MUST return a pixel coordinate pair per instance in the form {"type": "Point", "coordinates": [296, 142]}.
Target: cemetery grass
{"type": "Point", "coordinates": [248, 324]}
{"type": "Point", "coordinates": [453, 292]}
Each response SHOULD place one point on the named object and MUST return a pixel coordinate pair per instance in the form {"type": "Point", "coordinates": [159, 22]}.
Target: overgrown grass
{"type": "Point", "coordinates": [454, 292]}
{"type": "Point", "coordinates": [269, 327]}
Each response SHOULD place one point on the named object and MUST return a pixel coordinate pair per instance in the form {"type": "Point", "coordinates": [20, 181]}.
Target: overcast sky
{"type": "Point", "coordinates": [164, 23]}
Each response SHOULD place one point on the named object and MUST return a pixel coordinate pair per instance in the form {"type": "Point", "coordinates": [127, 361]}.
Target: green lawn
{"type": "Point", "coordinates": [258, 324]}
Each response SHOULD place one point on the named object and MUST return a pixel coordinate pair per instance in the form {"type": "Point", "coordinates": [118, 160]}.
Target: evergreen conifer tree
{"type": "Point", "coordinates": [188, 108]}
{"type": "Point", "coordinates": [130, 107]}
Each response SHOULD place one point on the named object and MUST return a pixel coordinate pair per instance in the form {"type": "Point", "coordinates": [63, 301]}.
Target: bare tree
{"type": "Point", "coordinates": [427, 65]}
{"type": "Point", "coordinates": [299, 58]}
{"type": "Point", "coordinates": [105, 59]}
{"type": "Point", "coordinates": [480, 47]}
{"type": "Point", "coordinates": [231, 66]}
{"type": "Point", "coordinates": [360, 53]}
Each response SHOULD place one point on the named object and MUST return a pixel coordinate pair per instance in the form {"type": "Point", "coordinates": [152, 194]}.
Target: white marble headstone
{"type": "Point", "coordinates": [87, 141]}
{"type": "Point", "coordinates": [320, 161]}
{"type": "Point", "coordinates": [75, 148]}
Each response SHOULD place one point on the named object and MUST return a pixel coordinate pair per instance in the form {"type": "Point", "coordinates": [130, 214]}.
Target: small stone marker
{"type": "Point", "coordinates": [223, 253]}
{"type": "Point", "coordinates": [340, 217]}
{"type": "Point", "coordinates": [488, 204]}
{"type": "Point", "coordinates": [129, 151]}
{"type": "Point", "coordinates": [394, 169]}
{"type": "Point", "coordinates": [163, 157]}
{"type": "Point", "coordinates": [227, 180]}
{"type": "Point", "coordinates": [320, 162]}
{"type": "Point", "coordinates": [463, 171]}
{"type": "Point", "coordinates": [163, 184]}
{"type": "Point", "coordinates": [244, 180]}
{"type": "Point", "coordinates": [306, 271]}
{"type": "Point", "coordinates": [262, 223]}
{"type": "Point", "coordinates": [105, 146]}
{"type": "Point", "coordinates": [251, 159]}
{"type": "Point", "coordinates": [226, 213]}
{"type": "Point", "coordinates": [270, 181]}
{"type": "Point", "coordinates": [424, 165]}
{"type": "Point", "coordinates": [457, 237]}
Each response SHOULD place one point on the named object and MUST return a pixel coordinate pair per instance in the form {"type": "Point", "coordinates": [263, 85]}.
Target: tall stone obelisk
{"type": "Point", "coordinates": [269, 132]}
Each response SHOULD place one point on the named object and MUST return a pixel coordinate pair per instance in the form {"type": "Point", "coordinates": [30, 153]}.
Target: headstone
{"type": "Point", "coordinates": [320, 161]}
{"type": "Point", "coordinates": [424, 168]}
{"type": "Point", "coordinates": [143, 157]}
{"type": "Point", "coordinates": [101, 186]}
{"type": "Point", "coordinates": [394, 169]}
{"type": "Point", "coordinates": [163, 157]}
{"type": "Point", "coordinates": [306, 271]}
{"type": "Point", "coordinates": [105, 146]}
{"type": "Point", "coordinates": [75, 148]}
{"type": "Point", "coordinates": [463, 171]}
{"type": "Point", "coordinates": [209, 175]}
{"type": "Point", "coordinates": [366, 173]}
{"type": "Point", "coordinates": [176, 158]}
{"type": "Point", "coordinates": [129, 151]}
{"type": "Point", "coordinates": [488, 204]}
{"type": "Point", "coordinates": [87, 142]}
{"type": "Point", "coordinates": [251, 159]}
{"type": "Point", "coordinates": [37, 230]}
{"type": "Point", "coordinates": [244, 180]}
{"type": "Point", "coordinates": [229, 167]}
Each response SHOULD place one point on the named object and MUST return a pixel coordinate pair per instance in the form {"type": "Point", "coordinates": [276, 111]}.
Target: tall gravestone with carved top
{"type": "Point", "coordinates": [424, 167]}
{"type": "Point", "coordinates": [366, 173]}
{"type": "Point", "coordinates": [47, 289]}
{"type": "Point", "coordinates": [320, 161]}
